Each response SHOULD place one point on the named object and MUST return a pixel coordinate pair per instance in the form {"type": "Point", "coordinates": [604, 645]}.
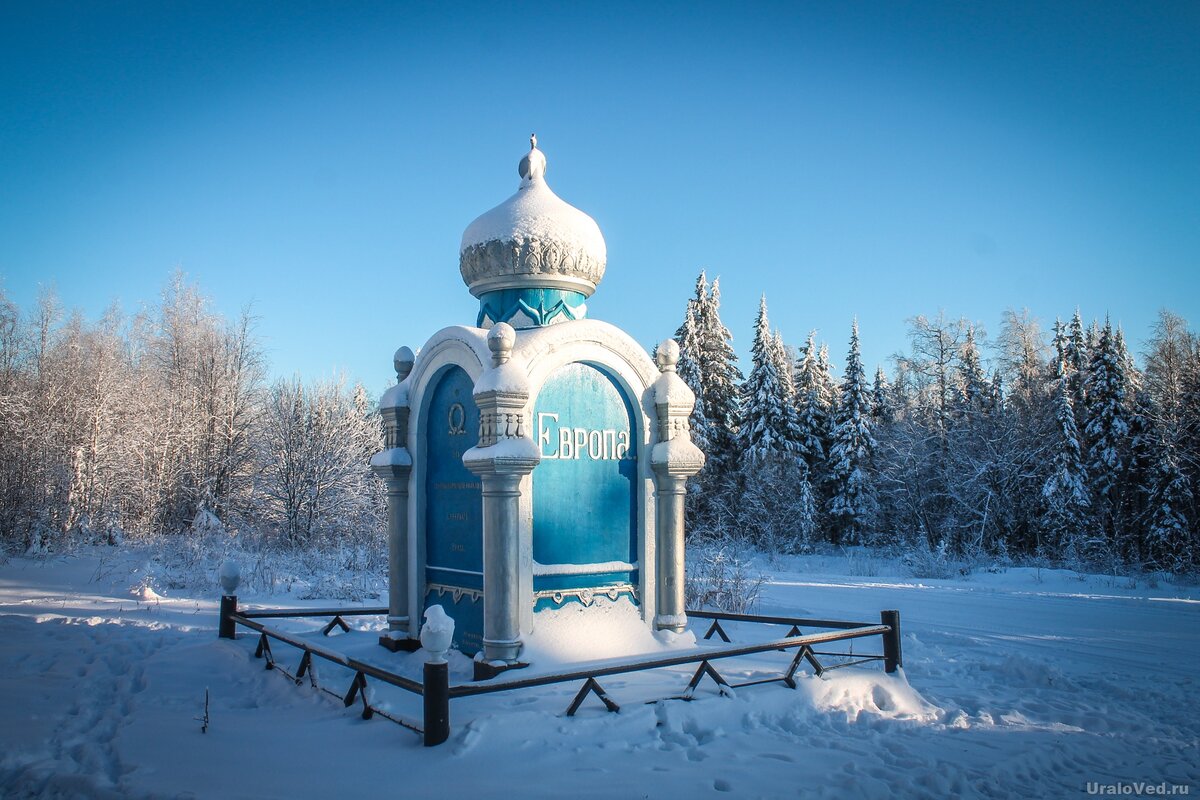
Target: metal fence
{"type": "Point", "coordinates": [437, 693]}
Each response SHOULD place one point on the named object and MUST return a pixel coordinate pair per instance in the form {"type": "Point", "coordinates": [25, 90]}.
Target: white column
{"type": "Point", "coordinates": [394, 465]}
{"type": "Point", "coordinates": [501, 546]}
{"type": "Point", "coordinates": [504, 455]}
{"type": "Point", "coordinates": [674, 459]}
{"type": "Point", "coordinates": [397, 500]}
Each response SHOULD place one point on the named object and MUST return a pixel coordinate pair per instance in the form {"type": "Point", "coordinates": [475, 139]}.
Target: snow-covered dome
{"type": "Point", "coordinates": [533, 239]}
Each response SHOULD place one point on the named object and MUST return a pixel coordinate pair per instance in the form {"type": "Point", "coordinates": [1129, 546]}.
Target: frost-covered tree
{"type": "Point", "coordinates": [314, 446]}
{"type": "Point", "coordinates": [791, 431]}
{"type": "Point", "coordinates": [812, 411]}
{"type": "Point", "coordinates": [1107, 429]}
{"type": "Point", "coordinates": [1187, 436]}
{"type": "Point", "coordinates": [852, 501]}
{"type": "Point", "coordinates": [764, 413]}
{"type": "Point", "coordinates": [1021, 352]}
{"type": "Point", "coordinates": [937, 346]}
{"type": "Point", "coordinates": [688, 338]}
{"type": "Point", "coordinates": [1065, 493]}
{"type": "Point", "coordinates": [1133, 376]}
{"type": "Point", "coordinates": [1077, 357]}
{"type": "Point", "coordinates": [883, 407]}
{"type": "Point", "coordinates": [1167, 361]}
{"type": "Point", "coordinates": [721, 378]}
{"type": "Point", "coordinates": [973, 386]}
{"type": "Point", "coordinates": [1171, 540]}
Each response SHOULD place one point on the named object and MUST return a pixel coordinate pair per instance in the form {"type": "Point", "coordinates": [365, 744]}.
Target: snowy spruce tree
{"type": "Point", "coordinates": [764, 414]}
{"type": "Point", "coordinates": [719, 377]}
{"type": "Point", "coordinates": [790, 430]}
{"type": "Point", "coordinates": [777, 504]}
{"type": "Point", "coordinates": [1107, 431]}
{"type": "Point", "coordinates": [883, 407]}
{"type": "Point", "coordinates": [973, 386]}
{"type": "Point", "coordinates": [851, 502]}
{"type": "Point", "coordinates": [812, 416]}
{"type": "Point", "coordinates": [1065, 495]}
{"type": "Point", "coordinates": [708, 365]}
{"type": "Point", "coordinates": [1171, 540]}
{"type": "Point", "coordinates": [1076, 352]}
{"type": "Point", "coordinates": [688, 368]}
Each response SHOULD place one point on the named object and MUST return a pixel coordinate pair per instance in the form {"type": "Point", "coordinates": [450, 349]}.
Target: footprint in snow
{"type": "Point", "coordinates": [722, 785]}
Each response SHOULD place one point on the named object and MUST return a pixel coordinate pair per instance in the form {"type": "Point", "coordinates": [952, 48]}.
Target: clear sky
{"type": "Point", "coordinates": [320, 161]}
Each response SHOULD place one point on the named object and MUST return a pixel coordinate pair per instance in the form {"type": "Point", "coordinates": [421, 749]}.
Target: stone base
{"type": "Point", "coordinates": [400, 645]}
{"type": "Point", "coordinates": [485, 670]}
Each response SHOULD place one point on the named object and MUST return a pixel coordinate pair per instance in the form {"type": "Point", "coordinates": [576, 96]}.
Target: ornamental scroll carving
{"type": "Point", "coordinates": [521, 256]}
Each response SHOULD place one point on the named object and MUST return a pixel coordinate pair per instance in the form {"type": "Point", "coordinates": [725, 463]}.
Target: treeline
{"type": "Point", "coordinates": [165, 422]}
{"type": "Point", "coordinates": [1064, 451]}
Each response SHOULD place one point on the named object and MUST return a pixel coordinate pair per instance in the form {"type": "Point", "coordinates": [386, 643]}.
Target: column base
{"type": "Point", "coordinates": [486, 669]}
{"type": "Point", "coordinates": [500, 649]}
{"type": "Point", "coordinates": [399, 645]}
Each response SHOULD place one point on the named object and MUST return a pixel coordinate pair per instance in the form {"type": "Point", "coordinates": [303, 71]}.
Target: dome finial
{"type": "Point", "coordinates": [533, 164]}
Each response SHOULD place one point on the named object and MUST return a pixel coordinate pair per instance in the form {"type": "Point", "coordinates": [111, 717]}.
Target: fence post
{"type": "Point", "coordinates": [892, 657]}
{"type": "Point", "coordinates": [229, 606]}
{"type": "Point", "coordinates": [437, 703]}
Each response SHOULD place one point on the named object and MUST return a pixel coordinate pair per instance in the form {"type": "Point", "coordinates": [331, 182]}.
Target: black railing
{"type": "Point", "coordinates": [437, 692]}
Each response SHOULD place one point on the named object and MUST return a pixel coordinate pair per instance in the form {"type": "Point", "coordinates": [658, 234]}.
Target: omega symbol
{"type": "Point", "coordinates": [457, 419]}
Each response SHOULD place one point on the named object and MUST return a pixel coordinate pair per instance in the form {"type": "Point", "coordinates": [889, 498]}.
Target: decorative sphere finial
{"type": "Point", "coordinates": [501, 339]}
{"type": "Point", "coordinates": [668, 355]}
{"type": "Point", "coordinates": [533, 141]}
{"type": "Point", "coordinates": [230, 575]}
{"type": "Point", "coordinates": [403, 362]}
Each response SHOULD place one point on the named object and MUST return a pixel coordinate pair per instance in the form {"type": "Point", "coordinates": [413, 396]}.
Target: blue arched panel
{"type": "Point", "coordinates": [453, 509]}
{"type": "Point", "coordinates": [585, 509]}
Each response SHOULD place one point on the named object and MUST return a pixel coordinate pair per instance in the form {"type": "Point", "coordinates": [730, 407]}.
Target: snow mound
{"type": "Point", "coordinates": [606, 629]}
{"type": "Point", "coordinates": [870, 694]}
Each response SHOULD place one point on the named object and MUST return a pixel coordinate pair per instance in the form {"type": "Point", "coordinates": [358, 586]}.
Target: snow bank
{"type": "Point", "coordinates": [606, 629]}
{"type": "Point", "coordinates": [1022, 686]}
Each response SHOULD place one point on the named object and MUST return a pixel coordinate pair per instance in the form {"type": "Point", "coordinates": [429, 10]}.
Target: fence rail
{"type": "Point", "coordinates": [436, 691]}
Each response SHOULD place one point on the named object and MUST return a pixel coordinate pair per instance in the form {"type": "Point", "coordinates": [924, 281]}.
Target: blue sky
{"type": "Point", "coordinates": [320, 161]}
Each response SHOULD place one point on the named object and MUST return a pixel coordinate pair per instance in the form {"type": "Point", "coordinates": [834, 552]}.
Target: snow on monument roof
{"type": "Point", "coordinates": [533, 238]}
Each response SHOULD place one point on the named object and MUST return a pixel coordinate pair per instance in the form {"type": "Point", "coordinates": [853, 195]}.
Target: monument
{"type": "Point", "coordinates": [538, 457]}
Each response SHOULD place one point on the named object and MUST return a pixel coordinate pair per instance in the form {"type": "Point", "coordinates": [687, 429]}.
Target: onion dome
{"type": "Point", "coordinates": [534, 259]}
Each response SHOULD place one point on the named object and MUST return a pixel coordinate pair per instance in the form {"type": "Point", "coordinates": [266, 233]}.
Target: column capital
{"type": "Point", "coordinates": [393, 464]}
{"type": "Point", "coordinates": [674, 455]}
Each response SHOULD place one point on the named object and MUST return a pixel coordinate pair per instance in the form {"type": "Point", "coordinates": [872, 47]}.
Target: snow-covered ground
{"type": "Point", "coordinates": [1017, 684]}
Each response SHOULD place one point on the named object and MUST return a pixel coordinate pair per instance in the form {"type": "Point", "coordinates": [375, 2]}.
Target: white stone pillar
{"type": "Point", "coordinates": [504, 455]}
{"type": "Point", "coordinates": [394, 465]}
{"type": "Point", "coordinates": [674, 459]}
{"type": "Point", "coordinates": [501, 520]}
